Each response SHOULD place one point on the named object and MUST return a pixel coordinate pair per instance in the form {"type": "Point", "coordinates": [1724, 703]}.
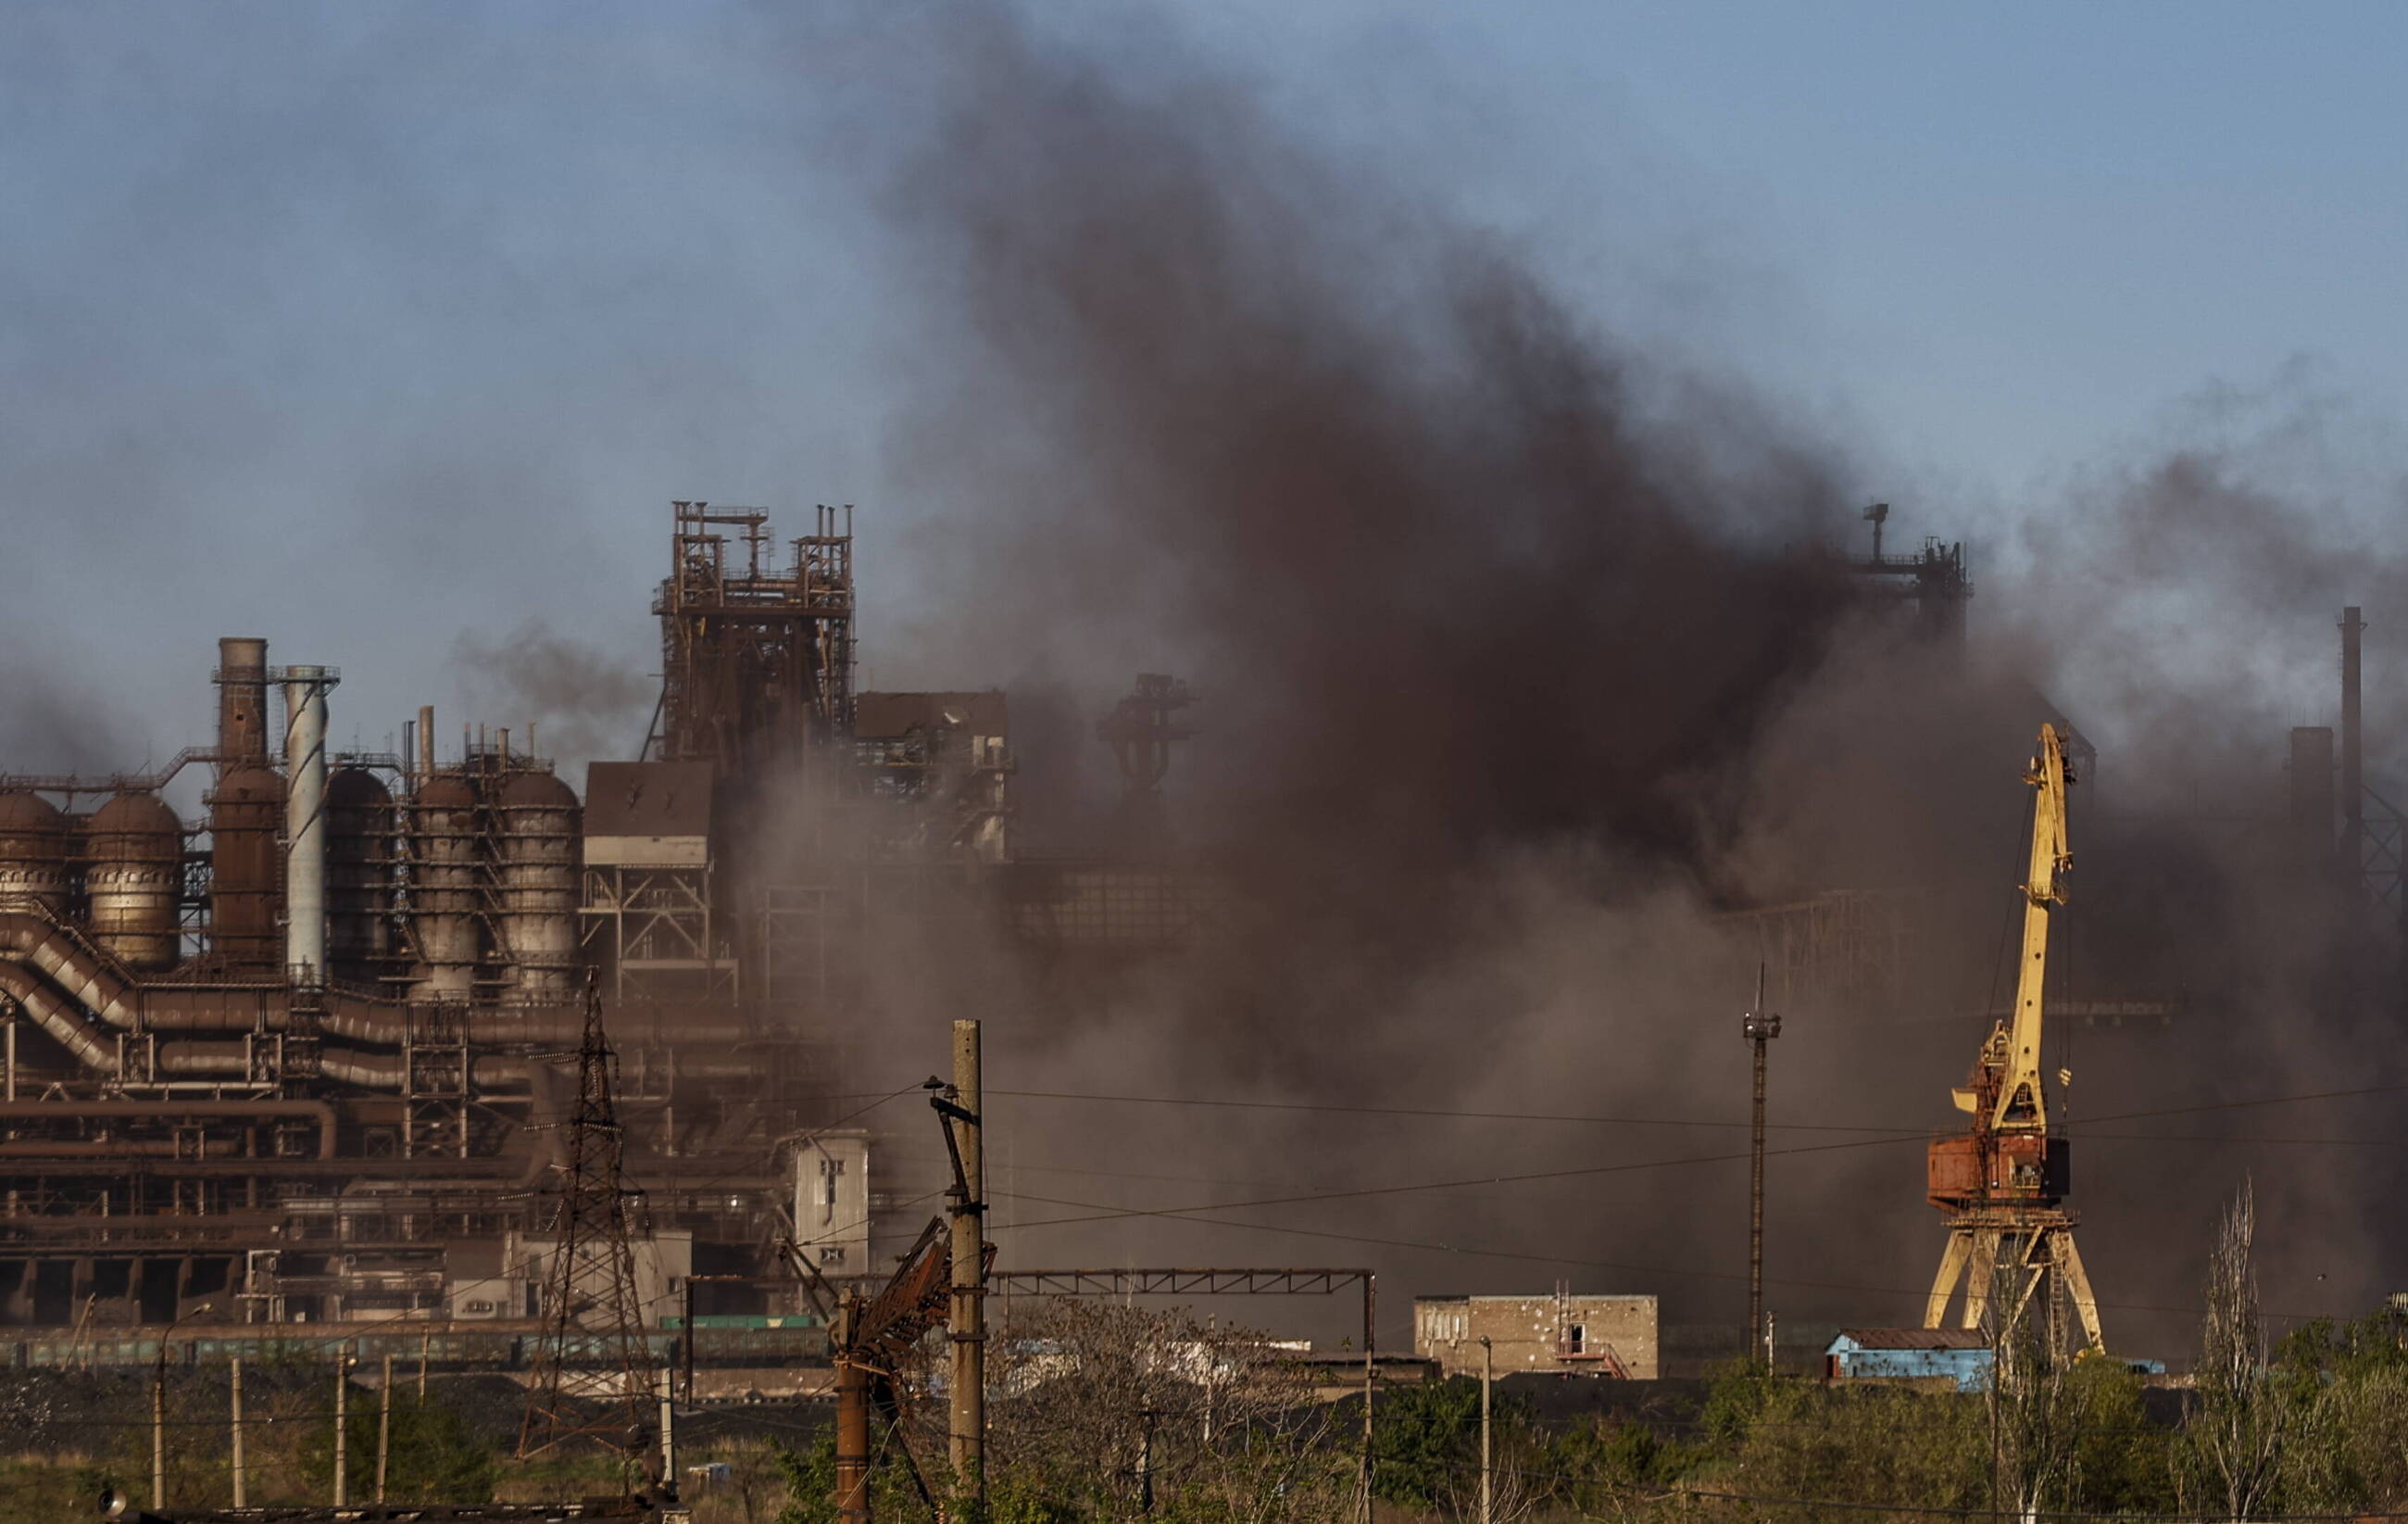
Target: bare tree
{"type": "Point", "coordinates": [2030, 1405]}
{"type": "Point", "coordinates": [1123, 1407]}
{"type": "Point", "coordinates": [2238, 1429]}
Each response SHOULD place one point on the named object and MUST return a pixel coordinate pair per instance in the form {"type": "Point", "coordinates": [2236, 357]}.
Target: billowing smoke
{"type": "Point", "coordinates": [583, 702]}
{"type": "Point", "coordinates": [1526, 661]}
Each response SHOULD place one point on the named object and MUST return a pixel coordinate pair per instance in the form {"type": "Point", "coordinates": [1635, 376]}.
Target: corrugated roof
{"type": "Point", "coordinates": [1916, 1337]}
{"type": "Point", "coordinates": [648, 798]}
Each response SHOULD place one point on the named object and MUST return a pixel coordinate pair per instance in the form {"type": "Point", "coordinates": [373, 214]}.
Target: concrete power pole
{"type": "Point", "coordinates": [240, 1479]}
{"type": "Point", "coordinates": [384, 1427]}
{"type": "Point", "coordinates": [1488, 1454]}
{"type": "Point", "coordinates": [159, 1430]}
{"type": "Point", "coordinates": [966, 1315]}
{"type": "Point", "coordinates": [1759, 1027]}
{"type": "Point", "coordinates": [342, 1428]}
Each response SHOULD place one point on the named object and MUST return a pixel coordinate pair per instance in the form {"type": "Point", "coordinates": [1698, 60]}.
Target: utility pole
{"type": "Point", "coordinates": [240, 1481]}
{"type": "Point", "coordinates": [1371, 1373]}
{"type": "Point", "coordinates": [1758, 1026]}
{"type": "Point", "coordinates": [852, 1394]}
{"type": "Point", "coordinates": [2353, 755]}
{"type": "Point", "coordinates": [425, 1336]}
{"type": "Point", "coordinates": [685, 1340]}
{"type": "Point", "coordinates": [1145, 1463]}
{"type": "Point", "coordinates": [1488, 1456]}
{"type": "Point", "coordinates": [159, 1430]}
{"type": "Point", "coordinates": [384, 1427]}
{"type": "Point", "coordinates": [342, 1428]}
{"type": "Point", "coordinates": [669, 1432]}
{"type": "Point", "coordinates": [966, 1315]}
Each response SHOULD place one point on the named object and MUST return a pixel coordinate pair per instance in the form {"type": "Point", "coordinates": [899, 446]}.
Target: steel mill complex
{"type": "Point", "coordinates": [307, 1059]}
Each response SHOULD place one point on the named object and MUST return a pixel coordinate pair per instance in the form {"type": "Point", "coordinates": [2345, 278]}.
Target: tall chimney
{"type": "Point", "coordinates": [2353, 752]}
{"type": "Point", "coordinates": [305, 820]}
{"type": "Point", "coordinates": [242, 700]}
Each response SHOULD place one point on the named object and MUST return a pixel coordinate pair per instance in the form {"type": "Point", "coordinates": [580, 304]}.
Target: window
{"type": "Point", "coordinates": [1574, 1337]}
{"type": "Point", "coordinates": [831, 1170]}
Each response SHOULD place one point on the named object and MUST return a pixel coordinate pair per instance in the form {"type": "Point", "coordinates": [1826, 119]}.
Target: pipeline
{"type": "Point", "coordinates": [320, 1112]}
{"type": "Point", "coordinates": [52, 1016]}
{"type": "Point", "coordinates": [89, 978]}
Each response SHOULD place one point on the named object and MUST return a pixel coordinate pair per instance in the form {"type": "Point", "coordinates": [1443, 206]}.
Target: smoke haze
{"type": "Point", "coordinates": [1523, 664]}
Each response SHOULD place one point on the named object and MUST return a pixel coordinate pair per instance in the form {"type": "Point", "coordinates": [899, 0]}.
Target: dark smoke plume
{"type": "Point", "coordinates": [584, 702]}
{"type": "Point", "coordinates": [1525, 660]}
{"type": "Point", "coordinates": [1457, 581]}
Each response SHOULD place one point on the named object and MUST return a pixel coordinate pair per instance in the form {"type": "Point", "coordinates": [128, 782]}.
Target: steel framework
{"type": "Point", "coordinates": [757, 659]}
{"type": "Point", "coordinates": [591, 1316]}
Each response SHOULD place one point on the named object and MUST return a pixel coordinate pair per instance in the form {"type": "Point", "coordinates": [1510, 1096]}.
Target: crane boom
{"type": "Point", "coordinates": [2021, 1105]}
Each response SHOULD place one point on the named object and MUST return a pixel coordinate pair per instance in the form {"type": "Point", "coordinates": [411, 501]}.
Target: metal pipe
{"type": "Point", "coordinates": [305, 821]}
{"type": "Point", "coordinates": [52, 1014]}
{"type": "Point", "coordinates": [320, 1112]}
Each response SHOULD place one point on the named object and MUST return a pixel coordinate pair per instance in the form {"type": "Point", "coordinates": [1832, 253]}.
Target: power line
{"type": "Point", "coordinates": [1594, 1119]}
{"type": "Point", "coordinates": [1581, 1262]}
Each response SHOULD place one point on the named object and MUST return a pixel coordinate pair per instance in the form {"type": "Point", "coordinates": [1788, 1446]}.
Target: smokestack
{"type": "Point", "coordinates": [242, 700]}
{"type": "Point", "coordinates": [426, 741]}
{"type": "Point", "coordinates": [305, 820]}
{"type": "Point", "coordinates": [2353, 752]}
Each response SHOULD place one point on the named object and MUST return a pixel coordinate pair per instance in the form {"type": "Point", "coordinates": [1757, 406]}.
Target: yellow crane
{"type": "Point", "coordinates": [2003, 1180]}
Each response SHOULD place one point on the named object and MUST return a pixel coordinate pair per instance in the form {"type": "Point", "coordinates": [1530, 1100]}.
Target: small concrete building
{"type": "Point", "coordinates": [1602, 1336]}
{"type": "Point", "coordinates": [1961, 1357]}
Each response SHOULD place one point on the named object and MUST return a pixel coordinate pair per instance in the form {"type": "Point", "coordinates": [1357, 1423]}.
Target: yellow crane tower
{"type": "Point", "coordinates": [2002, 1181]}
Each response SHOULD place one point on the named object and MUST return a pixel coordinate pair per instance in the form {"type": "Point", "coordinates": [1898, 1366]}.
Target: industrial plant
{"type": "Point", "coordinates": [307, 1059]}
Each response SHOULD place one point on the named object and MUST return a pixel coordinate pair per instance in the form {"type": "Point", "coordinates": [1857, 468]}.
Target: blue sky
{"type": "Point", "coordinates": [362, 326]}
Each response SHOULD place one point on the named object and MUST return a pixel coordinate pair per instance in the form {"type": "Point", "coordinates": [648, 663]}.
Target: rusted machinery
{"type": "Point", "coordinates": [2002, 1182]}
{"type": "Point", "coordinates": [869, 1337]}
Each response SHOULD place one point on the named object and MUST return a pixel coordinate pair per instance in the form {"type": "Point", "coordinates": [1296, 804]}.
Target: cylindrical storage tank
{"type": "Point", "coordinates": [359, 875]}
{"type": "Point", "coordinates": [32, 852]}
{"type": "Point", "coordinates": [137, 846]}
{"type": "Point", "coordinates": [444, 852]}
{"type": "Point", "coordinates": [537, 833]}
{"type": "Point", "coordinates": [246, 811]}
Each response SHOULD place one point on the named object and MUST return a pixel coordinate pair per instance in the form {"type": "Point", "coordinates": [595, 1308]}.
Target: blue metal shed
{"type": "Point", "coordinates": [1958, 1355]}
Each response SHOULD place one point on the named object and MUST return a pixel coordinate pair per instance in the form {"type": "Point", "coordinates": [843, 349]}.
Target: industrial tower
{"type": "Point", "coordinates": [2001, 1182]}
